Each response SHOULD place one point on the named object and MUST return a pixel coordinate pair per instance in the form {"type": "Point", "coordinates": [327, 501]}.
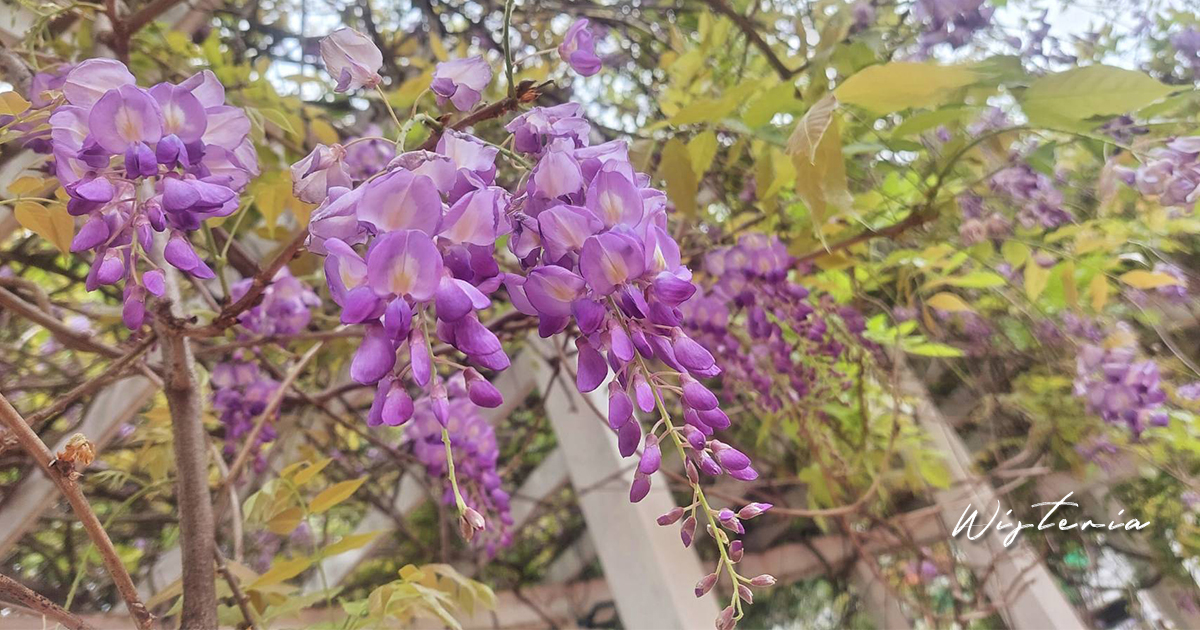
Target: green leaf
{"type": "Point", "coordinates": [1082, 93]}
{"type": "Point", "coordinates": [348, 543]}
{"type": "Point", "coordinates": [948, 302]}
{"type": "Point", "coordinates": [900, 85]}
{"type": "Point", "coordinates": [335, 494]}
{"type": "Point", "coordinates": [308, 472]}
{"type": "Point", "coordinates": [676, 168]}
{"type": "Point", "coordinates": [816, 150]}
{"type": "Point", "coordinates": [1140, 279]}
{"type": "Point", "coordinates": [702, 149]}
{"type": "Point", "coordinates": [281, 572]}
{"type": "Point", "coordinates": [12, 104]}
{"type": "Point", "coordinates": [1036, 279]}
{"type": "Point", "coordinates": [52, 222]}
{"type": "Point", "coordinates": [933, 349]}
{"type": "Point", "coordinates": [781, 98]}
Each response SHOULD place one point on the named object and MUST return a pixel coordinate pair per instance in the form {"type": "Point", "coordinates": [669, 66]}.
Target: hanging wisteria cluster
{"type": "Point", "coordinates": [752, 315]}
{"type": "Point", "coordinates": [1120, 389]}
{"type": "Point", "coordinates": [241, 389]}
{"type": "Point", "coordinates": [410, 255]}
{"type": "Point", "coordinates": [474, 453]}
{"type": "Point", "coordinates": [1171, 173]}
{"type": "Point", "coordinates": [138, 161]}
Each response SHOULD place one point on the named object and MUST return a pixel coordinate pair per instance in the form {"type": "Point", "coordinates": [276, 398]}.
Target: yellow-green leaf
{"type": "Point", "coordinates": [816, 149]}
{"type": "Point", "coordinates": [948, 302]}
{"type": "Point", "coordinates": [281, 572]}
{"type": "Point", "coordinates": [334, 495]}
{"type": "Point", "coordinates": [899, 85]}
{"type": "Point", "coordinates": [26, 185]}
{"type": "Point", "coordinates": [1036, 279]}
{"type": "Point", "coordinates": [323, 131]}
{"type": "Point", "coordinates": [52, 222]}
{"type": "Point", "coordinates": [1140, 279]}
{"type": "Point", "coordinates": [308, 472]}
{"type": "Point", "coordinates": [1070, 290]}
{"type": "Point", "coordinates": [286, 522]}
{"type": "Point", "coordinates": [12, 104]}
{"type": "Point", "coordinates": [676, 169]}
{"type": "Point", "coordinates": [347, 543]}
{"type": "Point", "coordinates": [1015, 253]}
{"type": "Point", "coordinates": [702, 149]}
{"type": "Point", "coordinates": [1098, 290]}
{"type": "Point", "coordinates": [1081, 93]}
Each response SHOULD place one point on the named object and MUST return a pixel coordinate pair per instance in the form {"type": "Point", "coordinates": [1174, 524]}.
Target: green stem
{"type": "Point", "coordinates": [220, 259]}
{"type": "Point", "coordinates": [508, 60]}
{"type": "Point", "coordinates": [458, 500]}
{"type": "Point", "coordinates": [392, 112]}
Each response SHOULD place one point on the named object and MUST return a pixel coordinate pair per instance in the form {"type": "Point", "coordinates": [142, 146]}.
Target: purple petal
{"type": "Point", "coordinates": [592, 369]}
{"type": "Point", "coordinates": [405, 263]}
{"type": "Point", "coordinates": [628, 437]}
{"type": "Point", "coordinates": [375, 357]}
{"type": "Point", "coordinates": [609, 260]}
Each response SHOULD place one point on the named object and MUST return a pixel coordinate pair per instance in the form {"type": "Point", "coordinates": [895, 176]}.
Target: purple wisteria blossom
{"type": "Point", "coordinates": [461, 81]}
{"type": "Point", "coordinates": [137, 161]}
{"type": "Point", "coordinates": [578, 48]}
{"type": "Point", "coordinates": [1119, 388]}
{"type": "Point", "coordinates": [1170, 173]}
{"type": "Point", "coordinates": [352, 59]}
{"type": "Point", "coordinates": [952, 22]}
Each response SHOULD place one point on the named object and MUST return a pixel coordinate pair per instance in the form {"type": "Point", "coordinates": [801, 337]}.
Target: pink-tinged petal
{"type": "Point", "coordinates": [182, 113]}
{"type": "Point", "coordinates": [469, 153]}
{"type": "Point", "coordinates": [422, 362]}
{"type": "Point", "coordinates": [551, 290]}
{"type": "Point", "coordinates": [125, 117]}
{"type": "Point", "coordinates": [89, 80]}
{"type": "Point", "coordinates": [227, 127]}
{"type": "Point", "coordinates": [615, 200]}
{"type": "Point", "coordinates": [592, 368]}
{"type": "Point", "coordinates": [474, 217]}
{"type": "Point", "coordinates": [610, 260]}
{"type": "Point", "coordinates": [352, 58]}
{"type": "Point", "coordinates": [404, 263]}
{"type": "Point", "coordinates": [439, 168]}
{"type": "Point", "coordinates": [557, 174]}
{"type": "Point", "coordinates": [662, 252]}
{"type": "Point", "coordinates": [565, 228]}
{"type": "Point", "coordinates": [401, 201]}
{"type": "Point", "coordinates": [515, 285]}
{"type": "Point", "coordinates": [375, 357]}
{"type": "Point", "coordinates": [461, 80]}
{"type": "Point", "coordinates": [206, 87]}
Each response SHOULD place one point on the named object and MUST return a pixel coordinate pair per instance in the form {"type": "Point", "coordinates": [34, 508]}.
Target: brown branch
{"type": "Point", "coordinates": [912, 220]}
{"type": "Point", "coordinates": [114, 371]}
{"type": "Point", "coordinates": [196, 524]}
{"type": "Point", "coordinates": [148, 14]}
{"type": "Point", "coordinates": [234, 587]}
{"type": "Point", "coordinates": [750, 29]}
{"type": "Point", "coordinates": [15, 592]}
{"type": "Point", "coordinates": [69, 338]}
{"type": "Point", "coordinates": [63, 476]}
{"type": "Point", "coordinates": [526, 92]}
{"type": "Point", "coordinates": [228, 316]}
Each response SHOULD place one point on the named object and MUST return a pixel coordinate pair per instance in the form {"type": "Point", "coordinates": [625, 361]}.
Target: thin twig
{"type": "Point", "coordinates": [69, 338]}
{"type": "Point", "coordinates": [114, 371]}
{"type": "Point", "coordinates": [15, 592]}
{"type": "Point", "coordinates": [63, 477]}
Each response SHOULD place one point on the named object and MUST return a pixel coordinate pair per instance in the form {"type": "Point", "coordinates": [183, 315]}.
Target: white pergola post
{"type": "Point", "coordinates": [648, 570]}
{"type": "Point", "coordinates": [1020, 586]}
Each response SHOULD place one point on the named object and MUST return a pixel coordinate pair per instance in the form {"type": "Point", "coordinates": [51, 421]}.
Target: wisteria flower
{"type": "Point", "coordinates": [352, 59]}
{"type": "Point", "coordinates": [578, 49]}
{"type": "Point", "coordinates": [461, 81]}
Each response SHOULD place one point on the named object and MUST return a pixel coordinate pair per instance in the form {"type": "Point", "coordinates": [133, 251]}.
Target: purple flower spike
{"type": "Point", "coordinates": [461, 81]}
{"type": "Point", "coordinates": [578, 49]}
{"type": "Point", "coordinates": [352, 59]}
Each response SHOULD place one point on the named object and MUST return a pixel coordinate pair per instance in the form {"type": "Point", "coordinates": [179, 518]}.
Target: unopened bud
{"type": "Point", "coordinates": [725, 619]}
{"type": "Point", "coordinates": [705, 584]}
{"type": "Point", "coordinates": [688, 531]}
{"type": "Point", "coordinates": [736, 551]}
{"type": "Point", "coordinates": [692, 474]}
{"type": "Point", "coordinates": [671, 517]}
{"type": "Point", "coordinates": [745, 593]}
{"type": "Point", "coordinates": [469, 522]}
{"type": "Point", "coordinates": [763, 580]}
{"type": "Point", "coordinates": [752, 510]}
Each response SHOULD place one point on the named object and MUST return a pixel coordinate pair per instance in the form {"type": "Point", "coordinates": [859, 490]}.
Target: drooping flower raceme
{"type": "Point", "coordinates": [1171, 173]}
{"type": "Point", "coordinates": [137, 161]}
{"type": "Point", "coordinates": [1119, 388]}
{"type": "Point", "coordinates": [241, 389]}
{"type": "Point", "coordinates": [475, 453]}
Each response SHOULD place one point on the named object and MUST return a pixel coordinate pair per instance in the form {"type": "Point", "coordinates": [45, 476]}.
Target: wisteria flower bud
{"type": "Point", "coordinates": [481, 391]}
{"type": "Point", "coordinates": [628, 437]}
{"type": "Point", "coordinates": [692, 474]}
{"type": "Point", "coordinates": [441, 404]}
{"type": "Point", "coordinates": [397, 406]}
{"type": "Point", "coordinates": [470, 522]}
{"type": "Point", "coordinates": [687, 531]}
{"type": "Point", "coordinates": [640, 488]}
{"type": "Point", "coordinates": [324, 168]}
{"type": "Point", "coordinates": [352, 59]}
{"type": "Point", "coordinates": [697, 395]}
{"type": "Point", "coordinates": [753, 510]}
{"type": "Point", "coordinates": [643, 393]}
{"type": "Point", "coordinates": [705, 584]}
{"type": "Point", "coordinates": [620, 407]}
{"type": "Point", "coordinates": [763, 580]}
{"type": "Point", "coordinates": [671, 517]}
{"type": "Point", "coordinates": [725, 619]}
{"type": "Point", "coordinates": [746, 474]}
{"type": "Point", "coordinates": [745, 593]}
{"type": "Point", "coordinates": [694, 437]}
{"type": "Point", "coordinates": [736, 550]}
{"type": "Point", "coordinates": [651, 456]}
{"type": "Point", "coordinates": [690, 354]}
